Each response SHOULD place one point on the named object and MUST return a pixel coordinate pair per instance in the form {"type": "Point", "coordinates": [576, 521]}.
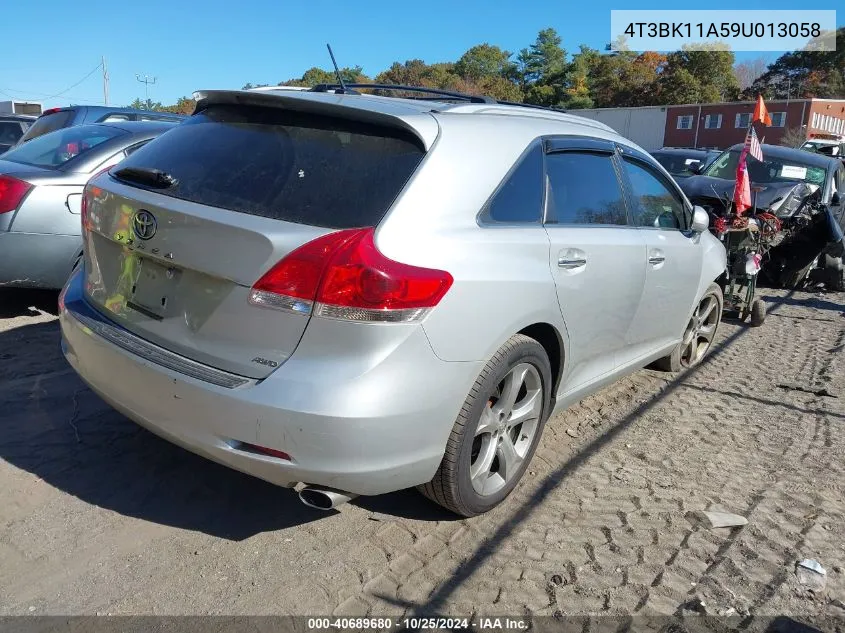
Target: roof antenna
{"type": "Point", "coordinates": [337, 72]}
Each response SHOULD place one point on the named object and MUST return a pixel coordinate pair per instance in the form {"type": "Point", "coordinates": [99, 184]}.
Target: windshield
{"type": "Point", "coordinates": [57, 148]}
{"type": "Point", "coordinates": [774, 170]}
{"type": "Point", "coordinates": [678, 164]}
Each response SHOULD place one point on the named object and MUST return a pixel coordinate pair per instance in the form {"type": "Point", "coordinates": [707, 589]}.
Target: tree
{"type": "Point", "coordinates": [704, 72]}
{"type": "Point", "coordinates": [747, 72]}
{"type": "Point", "coordinates": [315, 76]}
{"type": "Point", "coordinates": [805, 73]}
{"type": "Point", "coordinates": [483, 61]}
{"type": "Point", "coordinates": [793, 137]}
{"type": "Point", "coordinates": [544, 60]}
{"type": "Point", "coordinates": [147, 104]}
{"type": "Point", "coordinates": [184, 105]}
{"type": "Point", "coordinates": [606, 75]}
{"type": "Point", "coordinates": [678, 85]}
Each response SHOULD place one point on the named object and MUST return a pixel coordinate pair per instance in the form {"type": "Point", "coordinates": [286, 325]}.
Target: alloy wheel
{"type": "Point", "coordinates": [506, 429]}
{"type": "Point", "coordinates": [700, 331]}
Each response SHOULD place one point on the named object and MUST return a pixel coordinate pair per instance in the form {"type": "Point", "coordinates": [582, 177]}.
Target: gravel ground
{"type": "Point", "coordinates": [100, 516]}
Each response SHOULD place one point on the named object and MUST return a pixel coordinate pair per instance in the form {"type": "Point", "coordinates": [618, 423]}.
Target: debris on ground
{"type": "Point", "coordinates": [571, 433]}
{"type": "Point", "coordinates": [811, 574]}
{"type": "Point", "coordinates": [712, 519]}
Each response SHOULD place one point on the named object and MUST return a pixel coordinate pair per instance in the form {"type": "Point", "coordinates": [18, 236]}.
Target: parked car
{"type": "Point", "coordinates": [60, 118]}
{"type": "Point", "coordinates": [41, 186]}
{"type": "Point", "coordinates": [365, 293]}
{"type": "Point", "coordinates": [685, 162]}
{"type": "Point", "coordinates": [813, 214]}
{"type": "Point", "coordinates": [828, 146]}
{"type": "Point", "coordinates": [12, 128]}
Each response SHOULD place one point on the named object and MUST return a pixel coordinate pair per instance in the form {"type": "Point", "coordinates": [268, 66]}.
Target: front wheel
{"type": "Point", "coordinates": [698, 335]}
{"type": "Point", "coordinates": [496, 432]}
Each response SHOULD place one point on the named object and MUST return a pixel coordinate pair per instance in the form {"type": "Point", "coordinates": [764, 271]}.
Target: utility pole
{"type": "Point", "coordinates": [146, 80]}
{"type": "Point", "coordinates": [105, 82]}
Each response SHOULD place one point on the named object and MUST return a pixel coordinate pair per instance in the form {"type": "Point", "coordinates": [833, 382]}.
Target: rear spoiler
{"type": "Point", "coordinates": [418, 121]}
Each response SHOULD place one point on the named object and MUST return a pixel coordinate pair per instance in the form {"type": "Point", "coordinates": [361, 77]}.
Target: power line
{"type": "Point", "coordinates": [58, 94]}
{"type": "Point", "coordinates": [30, 93]}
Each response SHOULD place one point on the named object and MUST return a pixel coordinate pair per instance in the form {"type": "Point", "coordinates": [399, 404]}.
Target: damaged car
{"type": "Point", "coordinates": [804, 191]}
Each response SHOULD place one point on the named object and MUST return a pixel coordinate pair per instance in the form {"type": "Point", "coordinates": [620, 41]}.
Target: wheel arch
{"type": "Point", "coordinates": [550, 338]}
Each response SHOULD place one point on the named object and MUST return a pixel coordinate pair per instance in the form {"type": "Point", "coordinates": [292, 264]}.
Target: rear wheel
{"type": "Point", "coordinates": [497, 431]}
{"type": "Point", "coordinates": [699, 334]}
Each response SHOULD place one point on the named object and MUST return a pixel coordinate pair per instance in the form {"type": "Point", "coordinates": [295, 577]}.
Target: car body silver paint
{"type": "Point", "coordinates": [352, 402]}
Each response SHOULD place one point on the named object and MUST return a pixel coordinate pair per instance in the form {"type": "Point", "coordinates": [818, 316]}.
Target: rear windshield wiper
{"type": "Point", "coordinates": [146, 176]}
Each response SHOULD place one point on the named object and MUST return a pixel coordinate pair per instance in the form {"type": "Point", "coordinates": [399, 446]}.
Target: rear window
{"type": "Point", "coordinates": [316, 170]}
{"type": "Point", "coordinates": [62, 146]}
{"type": "Point", "coordinates": [49, 123]}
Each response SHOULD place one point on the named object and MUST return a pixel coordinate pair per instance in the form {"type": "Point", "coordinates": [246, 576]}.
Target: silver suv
{"type": "Point", "coordinates": [363, 293]}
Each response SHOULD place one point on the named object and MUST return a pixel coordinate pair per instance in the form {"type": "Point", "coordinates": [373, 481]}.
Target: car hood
{"type": "Point", "coordinates": [708, 188]}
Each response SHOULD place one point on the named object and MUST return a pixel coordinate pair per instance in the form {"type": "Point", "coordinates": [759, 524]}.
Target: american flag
{"type": "Point", "coordinates": [752, 144]}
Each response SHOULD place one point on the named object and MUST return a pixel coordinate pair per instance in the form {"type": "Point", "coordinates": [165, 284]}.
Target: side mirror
{"type": "Point", "coordinates": [695, 168]}
{"type": "Point", "coordinates": [700, 220]}
{"type": "Point", "coordinates": [835, 199]}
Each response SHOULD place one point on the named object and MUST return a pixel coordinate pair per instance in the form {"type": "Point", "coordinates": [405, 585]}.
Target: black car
{"type": "Point", "coordinates": [684, 162]}
{"type": "Point", "coordinates": [805, 191]}
{"type": "Point", "coordinates": [59, 118]}
{"type": "Point", "coordinates": [12, 128]}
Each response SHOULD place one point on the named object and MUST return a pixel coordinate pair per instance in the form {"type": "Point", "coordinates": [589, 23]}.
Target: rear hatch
{"type": "Point", "coordinates": [179, 232]}
{"type": "Point", "coordinates": [50, 121]}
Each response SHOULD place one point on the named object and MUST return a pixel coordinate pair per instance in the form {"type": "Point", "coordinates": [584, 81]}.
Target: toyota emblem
{"type": "Point", "coordinates": [144, 224]}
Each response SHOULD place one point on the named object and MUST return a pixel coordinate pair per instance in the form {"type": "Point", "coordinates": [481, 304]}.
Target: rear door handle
{"type": "Point", "coordinates": [656, 259]}
{"type": "Point", "coordinates": [568, 263]}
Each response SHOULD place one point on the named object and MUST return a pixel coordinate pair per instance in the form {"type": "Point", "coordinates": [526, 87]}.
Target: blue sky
{"type": "Point", "coordinates": [223, 44]}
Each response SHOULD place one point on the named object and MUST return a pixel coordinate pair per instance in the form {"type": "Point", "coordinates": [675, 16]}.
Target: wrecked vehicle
{"type": "Point", "coordinates": [804, 191]}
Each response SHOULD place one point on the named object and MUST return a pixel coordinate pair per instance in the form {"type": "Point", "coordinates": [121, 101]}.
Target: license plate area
{"type": "Point", "coordinates": [154, 289]}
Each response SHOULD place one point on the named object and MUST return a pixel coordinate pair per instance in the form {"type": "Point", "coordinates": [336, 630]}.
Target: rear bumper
{"type": "Point", "coordinates": [37, 260]}
{"type": "Point", "coordinates": [368, 432]}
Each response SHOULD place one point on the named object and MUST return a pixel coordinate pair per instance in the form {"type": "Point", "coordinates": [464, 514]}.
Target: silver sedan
{"type": "Point", "coordinates": [41, 186]}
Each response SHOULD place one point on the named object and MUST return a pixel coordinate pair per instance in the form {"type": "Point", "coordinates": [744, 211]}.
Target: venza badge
{"type": "Point", "coordinates": [144, 224]}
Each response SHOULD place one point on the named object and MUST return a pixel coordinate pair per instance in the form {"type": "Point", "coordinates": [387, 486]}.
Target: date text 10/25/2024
{"type": "Point", "coordinates": [418, 623]}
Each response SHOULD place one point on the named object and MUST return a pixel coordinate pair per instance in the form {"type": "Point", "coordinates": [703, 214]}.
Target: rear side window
{"type": "Point", "coordinates": [519, 200]}
{"type": "Point", "coordinates": [284, 165]}
{"type": "Point", "coordinates": [584, 189]}
{"type": "Point", "coordinates": [49, 123]}
{"type": "Point", "coordinates": [10, 132]}
{"type": "Point", "coordinates": [654, 203]}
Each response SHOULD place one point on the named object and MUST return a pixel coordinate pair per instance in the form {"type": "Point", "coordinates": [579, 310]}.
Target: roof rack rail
{"type": "Point", "coordinates": [395, 87]}
{"type": "Point", "coordinates": [532, 105]}
{"type": "Point", "coordinates": [349, 88]}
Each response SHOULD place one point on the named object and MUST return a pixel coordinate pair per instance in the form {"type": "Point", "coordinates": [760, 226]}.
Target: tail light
{"type": "Point", "coordinates": [89, 192]}
{"type": "Point", "coordinates": [343, 275]}
{"type": "Point", "coordinates": [12, 192]}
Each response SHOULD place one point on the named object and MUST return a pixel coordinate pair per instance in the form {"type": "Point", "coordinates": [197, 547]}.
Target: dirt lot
{"type": "Point", "coordinates": [99, 516]}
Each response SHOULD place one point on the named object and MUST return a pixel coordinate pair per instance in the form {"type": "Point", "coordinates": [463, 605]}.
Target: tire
{"type": "Point", "coordinates": [835, 273]}
{"type": "Point", "coordinates": [482, 431]}
{"type": "Point", "coordinates": [758, 313]}
{"type": "Point", "coordinates": [700, 330]}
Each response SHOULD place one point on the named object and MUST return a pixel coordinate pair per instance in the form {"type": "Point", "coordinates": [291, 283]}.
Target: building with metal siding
{"type": "Point", "coordinates": [720, 125]}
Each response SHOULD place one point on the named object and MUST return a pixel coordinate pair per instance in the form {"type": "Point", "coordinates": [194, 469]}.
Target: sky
{"type": "Point", "coordinates": [214, 44]}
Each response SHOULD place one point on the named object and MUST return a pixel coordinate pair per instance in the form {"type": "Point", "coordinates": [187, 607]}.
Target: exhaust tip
{"type": "Point", "coordinates": [324, 498]}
